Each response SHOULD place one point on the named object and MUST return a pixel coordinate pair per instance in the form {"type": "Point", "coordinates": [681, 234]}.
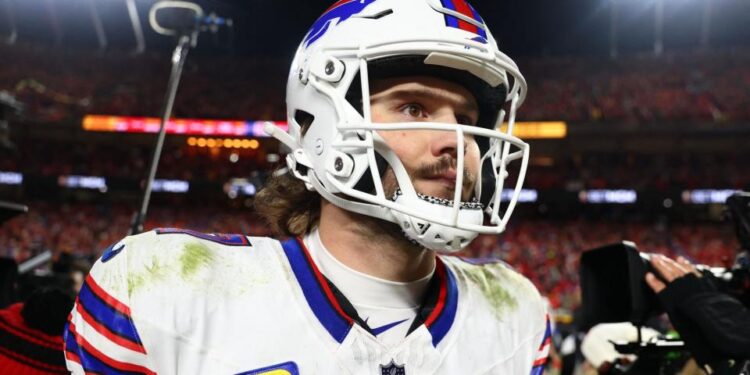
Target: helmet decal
{"type": "Point", "coordinates": [451, 7]}
{"type": "Point", "coordinates": [339, 12]}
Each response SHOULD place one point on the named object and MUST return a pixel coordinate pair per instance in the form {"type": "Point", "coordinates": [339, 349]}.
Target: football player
{"type": "Point", "coordinates": [396, 154]}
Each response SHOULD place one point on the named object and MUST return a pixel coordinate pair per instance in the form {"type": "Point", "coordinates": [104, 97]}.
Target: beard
{"type": "Point", "coordinates": [375, 229]}
{"type": "Point", "coordinates": [428, 171]}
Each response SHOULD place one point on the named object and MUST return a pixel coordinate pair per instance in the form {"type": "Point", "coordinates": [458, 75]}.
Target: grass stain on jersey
{"type": "Point", "coordinates": [194, 257]}
{"type": "Point", "coordinates": [153, 272]}
{"type": "Point", "coordinates": [491, 284]}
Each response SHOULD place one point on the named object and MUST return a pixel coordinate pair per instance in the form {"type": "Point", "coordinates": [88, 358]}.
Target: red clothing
{"type": "Point", "coordinates": [24, 350]}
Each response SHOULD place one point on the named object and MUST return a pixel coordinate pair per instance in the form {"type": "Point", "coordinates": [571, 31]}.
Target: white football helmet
{"type": "Point", "coordinates": [342, 156]}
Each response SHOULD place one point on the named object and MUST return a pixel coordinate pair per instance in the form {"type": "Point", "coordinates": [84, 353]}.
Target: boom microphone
{"type": "Point", "coordinates": [176, 18]}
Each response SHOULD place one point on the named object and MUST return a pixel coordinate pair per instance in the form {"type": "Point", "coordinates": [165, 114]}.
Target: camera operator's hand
{"type": "Point", "coordinates": [669, 270]}
{"type": "Point", "coordinates": [714, 325]}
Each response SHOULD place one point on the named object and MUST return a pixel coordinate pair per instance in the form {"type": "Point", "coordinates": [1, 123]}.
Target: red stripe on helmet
{"type": "Point", "coordinates": [338, 3]}
{"type": "Point", "coordinates": [464, 8]}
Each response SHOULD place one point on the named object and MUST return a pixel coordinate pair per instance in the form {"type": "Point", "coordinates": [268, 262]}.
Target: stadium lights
{"type": "Point", "coordinates": [234, 143]}
{"type": "Point", "coordinates": [620, 196]}
{"type": "Point", "coordinates": [707, 196]}
{"type": "Point", "coordinates": [239, 187]}
{"type": "Point", "coordinates": [11, 178]}
{"type": "Point", "coordinates": [525, 196]}
{"type": "Point", "coordinates": [658, 6]}
{"type": "Point", "coordinates": [254, 128]}
{"type": "Point", "coordinates": [539, 130]}
{"type": "Point", "coordinates": [195, 127]}
{"type": "Point", "coordinates": [171, 186]}
{"type": "Point", "coordinates": [83, 182]}
{"type": "Point", "coordinates": [273, 158]}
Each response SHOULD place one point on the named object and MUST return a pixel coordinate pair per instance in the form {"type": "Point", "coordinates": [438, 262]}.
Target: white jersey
{"type": "Point", "coordinates": [387, 307]}
{"type": "Point", "coordinates": [172, 301]}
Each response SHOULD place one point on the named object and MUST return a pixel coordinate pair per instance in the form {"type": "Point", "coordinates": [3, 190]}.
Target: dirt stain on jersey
{"type": "Point", "coordinates": [488, 278]}
{"type": "Point", "coordinates": [194, 257]}
{"type": "Point", "coordinates": [183, 265]}
{"type": "Point", "coordinates": [153, 272]}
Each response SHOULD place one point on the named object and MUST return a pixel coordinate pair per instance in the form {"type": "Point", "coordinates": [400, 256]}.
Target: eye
{"type": "Point", "coordinates": [414, 110]}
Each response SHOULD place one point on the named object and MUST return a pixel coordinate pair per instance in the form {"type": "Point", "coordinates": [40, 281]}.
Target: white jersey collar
{"type": "Point", "coordinates": [362, 289]}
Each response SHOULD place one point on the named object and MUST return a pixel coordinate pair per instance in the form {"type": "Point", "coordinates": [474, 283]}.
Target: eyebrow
{"type": "Point", "coordinates": [429, 93]}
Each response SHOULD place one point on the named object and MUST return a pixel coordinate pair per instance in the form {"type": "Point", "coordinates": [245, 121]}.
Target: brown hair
{"type": "Point", "coordinates": [284, 202]}
{"type": "Point", "coordinates": [287, 206]}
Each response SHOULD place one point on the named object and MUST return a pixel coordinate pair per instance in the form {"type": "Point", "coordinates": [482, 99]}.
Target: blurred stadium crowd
{"type": "Point", "coordinates": [678, 87]}
{"type": "Point", "coordinates": [62, 85]}
{"type": "Point", "coordinates": [125, 161]}
{"type": "Point", "coordinates": [546, 251]}
{"type": "Point", "coordinates": [671, 88]}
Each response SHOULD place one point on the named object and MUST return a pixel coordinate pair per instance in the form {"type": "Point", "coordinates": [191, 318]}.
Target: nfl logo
{"type": "Point", "coordinates": [392, 369]}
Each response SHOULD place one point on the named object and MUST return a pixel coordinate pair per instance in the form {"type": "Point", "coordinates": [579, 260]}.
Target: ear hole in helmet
{"type": "Point", "coordinates": [304, 120]}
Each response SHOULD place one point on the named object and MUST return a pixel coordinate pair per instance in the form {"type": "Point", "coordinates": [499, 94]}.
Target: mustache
{"type": "Point", "coordinates": [442, 165]}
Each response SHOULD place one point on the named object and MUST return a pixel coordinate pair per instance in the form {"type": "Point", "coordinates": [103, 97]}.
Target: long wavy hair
{"type": "Point", "coordinates": [284, 201]}
{"type": "Point", "coordinates": [287, 206]}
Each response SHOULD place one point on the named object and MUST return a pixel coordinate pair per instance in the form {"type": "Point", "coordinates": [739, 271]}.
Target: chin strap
{"type": "Point", "coordinates": [433, 236]}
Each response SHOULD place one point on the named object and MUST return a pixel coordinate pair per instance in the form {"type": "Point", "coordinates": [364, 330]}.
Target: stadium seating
{"type": "Point", "coordinates": [59, 86]}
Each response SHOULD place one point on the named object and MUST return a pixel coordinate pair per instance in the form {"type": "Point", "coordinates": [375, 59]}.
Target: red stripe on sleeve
{"type": "Point", "coordinates": [73, 357]}
{"type": "Point", "coordinates": [123, 366]}
{"type": "Point", "coordinates": [540, 362]}
{"type": "Point", "coordinates": [544, 344]}
{"type": "Point", "coordinates": [112, 301]}
{"type": "Point", "coordinates": [107, 333]}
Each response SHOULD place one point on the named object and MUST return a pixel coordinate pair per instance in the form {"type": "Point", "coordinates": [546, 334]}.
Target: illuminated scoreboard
{"type": "Point", "coordinates": [220, 128]}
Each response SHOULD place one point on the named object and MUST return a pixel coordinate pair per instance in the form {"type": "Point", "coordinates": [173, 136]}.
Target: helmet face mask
{"type": "Point", "coordinates": [344, 157]}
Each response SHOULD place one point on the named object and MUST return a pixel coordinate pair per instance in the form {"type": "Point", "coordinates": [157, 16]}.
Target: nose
{"type": "Point", "coordinates": [445, 142]}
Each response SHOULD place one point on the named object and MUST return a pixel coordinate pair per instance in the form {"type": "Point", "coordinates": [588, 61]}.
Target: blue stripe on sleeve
{"type": "Point", "coordinates": [88, 361]}
{"type": "Point", "coordinates": [106, 315]}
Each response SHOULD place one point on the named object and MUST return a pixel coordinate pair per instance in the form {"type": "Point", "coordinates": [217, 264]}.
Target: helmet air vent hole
{"type": "Point", "coordinates": [303, 119]}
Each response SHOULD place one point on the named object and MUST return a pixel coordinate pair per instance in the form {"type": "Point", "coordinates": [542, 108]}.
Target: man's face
{"type": "Point", "coordinates": [429, 156]}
